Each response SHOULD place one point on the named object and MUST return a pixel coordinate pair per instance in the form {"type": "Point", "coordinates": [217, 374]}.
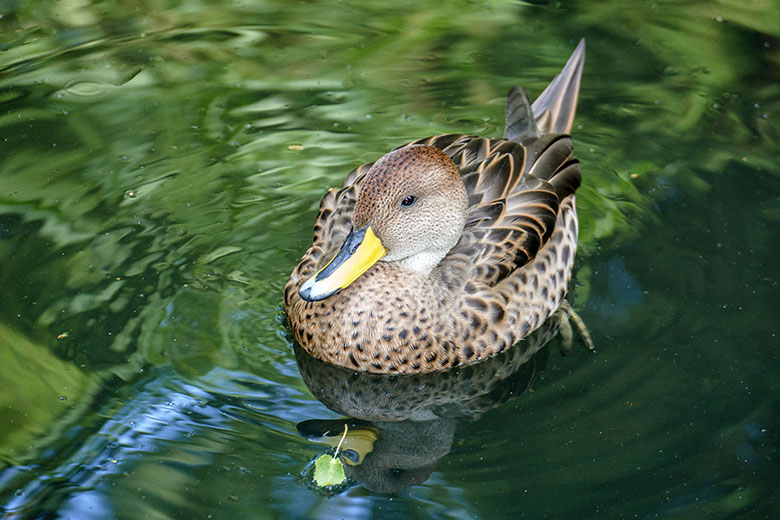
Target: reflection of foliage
{"type": "Point", "coordinates": [34, 401]}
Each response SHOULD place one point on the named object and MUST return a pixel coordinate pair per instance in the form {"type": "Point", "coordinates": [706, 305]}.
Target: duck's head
{"type": "Point", "coordinates": [411, 211]}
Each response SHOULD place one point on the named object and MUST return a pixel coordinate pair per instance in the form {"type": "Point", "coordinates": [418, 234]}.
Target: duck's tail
{"type": "Point", "coordinates": [554, 109]}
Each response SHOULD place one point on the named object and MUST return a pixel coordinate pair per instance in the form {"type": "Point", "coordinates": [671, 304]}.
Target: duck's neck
{"type": "Point", "coordinates": [421, 263]}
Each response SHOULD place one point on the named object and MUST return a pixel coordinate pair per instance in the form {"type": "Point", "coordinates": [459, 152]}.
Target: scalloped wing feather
{"type": "Point", "coordinates": [514, 196]}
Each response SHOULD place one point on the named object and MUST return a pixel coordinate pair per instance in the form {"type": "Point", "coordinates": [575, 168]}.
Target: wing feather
{"type": "Point", "coordinates": [514, 196]}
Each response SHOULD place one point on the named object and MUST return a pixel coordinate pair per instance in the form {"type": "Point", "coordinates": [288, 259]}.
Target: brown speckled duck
{"type": "Point", "coordinates": [446, 250]}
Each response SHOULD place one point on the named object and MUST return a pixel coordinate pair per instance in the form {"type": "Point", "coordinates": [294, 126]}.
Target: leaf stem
{"type": "Point", "coordinates": [343, 436]}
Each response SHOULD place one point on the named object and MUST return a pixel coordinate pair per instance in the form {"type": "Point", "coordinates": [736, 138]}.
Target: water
{"type": "Point", "coordinates": [159, 176]}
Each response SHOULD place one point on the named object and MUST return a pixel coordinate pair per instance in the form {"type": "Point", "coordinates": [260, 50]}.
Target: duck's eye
{"type": "Point", "coordinates": [408, 200]}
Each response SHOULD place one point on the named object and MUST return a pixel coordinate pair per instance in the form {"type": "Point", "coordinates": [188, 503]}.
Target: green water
{"type": "Point", "coordinates": [160, 168]}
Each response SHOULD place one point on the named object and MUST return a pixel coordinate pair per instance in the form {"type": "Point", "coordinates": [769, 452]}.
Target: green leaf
{"type": "Point", "coordinates": [328, 471]}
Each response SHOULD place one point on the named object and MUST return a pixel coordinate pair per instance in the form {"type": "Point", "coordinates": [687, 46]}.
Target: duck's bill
{"type": "Point", "coordinates": [352, 438]}
{"type": "Point", "coordinates": [361, 250]}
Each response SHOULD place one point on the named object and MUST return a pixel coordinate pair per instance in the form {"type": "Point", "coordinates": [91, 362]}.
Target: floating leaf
{"type": "Point", "coordinates": [328, 471]}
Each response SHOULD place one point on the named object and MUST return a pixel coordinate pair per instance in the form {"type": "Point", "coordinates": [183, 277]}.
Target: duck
{"type": "Point", "coordinates": [446, 250]}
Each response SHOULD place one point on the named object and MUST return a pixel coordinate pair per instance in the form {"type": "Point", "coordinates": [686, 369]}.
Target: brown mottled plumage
{"type": "Point", "coordinates": [478, 237]}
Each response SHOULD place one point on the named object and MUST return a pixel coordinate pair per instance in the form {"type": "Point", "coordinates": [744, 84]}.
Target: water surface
{"type": "Point", "coordinates": [160, 170]}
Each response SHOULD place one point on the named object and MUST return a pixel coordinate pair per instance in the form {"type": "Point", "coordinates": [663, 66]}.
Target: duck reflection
{"type": "Point", "coordinates": [399, 427]}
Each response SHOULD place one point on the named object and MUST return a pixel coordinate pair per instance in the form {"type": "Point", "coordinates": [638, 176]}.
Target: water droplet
{"type": "Point", "coordinates": [85, 88]}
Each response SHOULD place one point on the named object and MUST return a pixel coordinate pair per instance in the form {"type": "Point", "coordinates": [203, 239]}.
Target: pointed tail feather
{"type": "Point", "coordinates": [554, 109]}
{"type": "Point", "coordinates": [520, 123]}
